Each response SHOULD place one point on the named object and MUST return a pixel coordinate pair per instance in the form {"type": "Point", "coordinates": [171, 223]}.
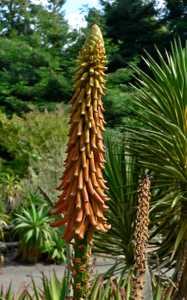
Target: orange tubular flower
{"type": "Point", "coordinates": [83, 198]}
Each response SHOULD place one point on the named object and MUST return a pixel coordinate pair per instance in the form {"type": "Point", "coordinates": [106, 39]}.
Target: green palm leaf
{"type": "Point", "coordinates": [122, 175]}
{"type": "Point", "coordinates": [159, 143]}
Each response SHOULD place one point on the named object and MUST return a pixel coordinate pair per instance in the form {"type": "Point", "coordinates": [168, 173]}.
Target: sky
{"type": "Point", "coordinates": [74, 13]}
{"type": "Point", "coordinates": [73, 10]}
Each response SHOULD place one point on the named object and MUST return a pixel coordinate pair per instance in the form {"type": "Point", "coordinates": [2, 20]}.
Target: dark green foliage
{"type": "Point", "coordinates": [176, 17]}
{"type": "Point", "coordinates": [34, 76]}
{"type": "Point", "coordinates": [34, 23]}
{"type": "Point", "coordinates": [14, 17]}
{"type": "Point", "coordinates": [56, 5]}
{"type": "Point", "coordinates": [118, 100]}
{"type": "Point", "coordinates": [14, 149]}
{"type": "Point", "coordinates": [132, 25]}
{"type": "Point", "coordinates": [32, 55]}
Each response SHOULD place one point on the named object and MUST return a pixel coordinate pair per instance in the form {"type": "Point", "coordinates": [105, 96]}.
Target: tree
{"type": "Point", "coordinates": [176, 18]}
{"type": "Point", "coordinates": [176, 8]}
{"type": "Point", "coordinates": [15, 17]}
{"type": "Point", "coordinates": [34, 23]}
{"type": "Point", "coordinates": [133, 26]}
{"type": "Point", "coordinates": [35, 72]}
{"type": "Point", "coordinates": [56, 5]}
{"type": "Point", "coordinates": [118, 99]}
{"type": "Point", "coordinates": [29, 75]}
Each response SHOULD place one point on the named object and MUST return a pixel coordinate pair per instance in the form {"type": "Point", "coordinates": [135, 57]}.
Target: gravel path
{"type": "Point", "coordinates": [20, 275]}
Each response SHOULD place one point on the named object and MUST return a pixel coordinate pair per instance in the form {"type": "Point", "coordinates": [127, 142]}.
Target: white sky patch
{"type": "Point", "coordinates": [76, 20]}
{"type": "Point", "coordinates": [74, 11]}
{"type": "Point", "coordinates": [43, 2]}
{"type": "Point", "coordinates": [160, 3]}
{"type": "Point", "coordinates": [94, 3]}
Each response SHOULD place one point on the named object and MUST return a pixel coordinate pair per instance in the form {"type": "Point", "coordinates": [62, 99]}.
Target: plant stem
{"type": "Point", "coordinates": [82, 254]}
{"type": "Point", "coordinates": [181, 272]}
{"type": "Point", "coordinates": [182, 287]}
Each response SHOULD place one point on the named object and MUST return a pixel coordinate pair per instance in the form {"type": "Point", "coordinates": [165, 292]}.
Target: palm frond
{"type": "Point", "coordinates": [122, 175]}
{"type": "Point", "coordinates": [159, 142]}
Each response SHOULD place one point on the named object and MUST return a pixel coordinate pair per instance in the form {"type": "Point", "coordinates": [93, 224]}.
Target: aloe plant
{"type": "Point", "coordinates": [32, 225]}
{"type": "Point", "coordinates": [54, 288]}
{"type": "Point", "coordinates": [83, 200]}
{"type": "Point", "coordinates": [54, 248]}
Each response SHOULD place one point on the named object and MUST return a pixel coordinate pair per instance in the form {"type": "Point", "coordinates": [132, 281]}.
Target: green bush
{"type": "Point", "coordinates": [14, 147]}
{"type": "Point", "coordinates": [32, 149]}
{"type": "Point", "coordinates": [46, 134]}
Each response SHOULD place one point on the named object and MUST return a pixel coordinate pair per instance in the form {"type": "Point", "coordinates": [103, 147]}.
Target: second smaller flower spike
{"type": "Point", "coordinates": [141, 236]}
{"type": "Point", "coordinates": [83, 198]}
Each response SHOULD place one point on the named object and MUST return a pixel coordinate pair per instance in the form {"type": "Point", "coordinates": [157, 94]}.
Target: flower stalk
{"type": "Point", "coordinates": [141, 237]}
{"type": "Point", "coordinates": [83, 198]}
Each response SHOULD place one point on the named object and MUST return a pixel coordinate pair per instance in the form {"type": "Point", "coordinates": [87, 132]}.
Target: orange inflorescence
{"type": "Point", "coordinates": [83, 200]}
